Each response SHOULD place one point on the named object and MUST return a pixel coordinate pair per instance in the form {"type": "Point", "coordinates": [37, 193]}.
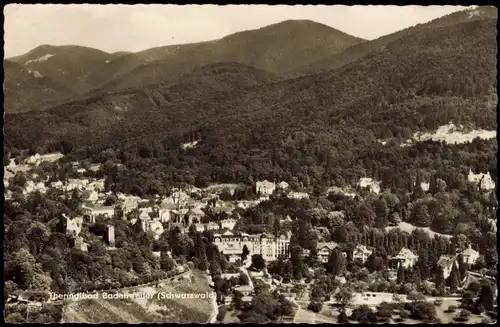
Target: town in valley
{"type": "Point", "coordinates": [229, 181]}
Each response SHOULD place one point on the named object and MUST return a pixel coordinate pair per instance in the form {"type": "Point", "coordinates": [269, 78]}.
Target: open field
{"type": "Point", "coordinates": [450, 134]}
{"type": "Point", "coordinates": [150, 309]}
{"type": "Point", "coordinates": [407, 227]}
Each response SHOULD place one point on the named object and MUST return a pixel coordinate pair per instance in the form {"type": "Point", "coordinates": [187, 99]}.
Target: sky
{"type": "Point", "coordinates": [114, 28]}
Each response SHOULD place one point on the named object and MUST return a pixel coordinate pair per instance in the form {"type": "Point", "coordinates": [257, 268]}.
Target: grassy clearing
{"type": "Point", "coordinates": [148, 310]}
{"type": "Point", "coordinates": [406, 227]}
{"type": "Point", "coordinates": [93, 312]}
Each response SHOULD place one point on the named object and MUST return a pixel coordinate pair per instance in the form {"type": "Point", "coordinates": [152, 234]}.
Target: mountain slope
{"type": "Point", "coordinates": [26, 89]}
{"type": "Point", "coordinates": [106, 111]}
{"type": "Point", "coordinates": [313, 125]}
{"type": "Point", "coordinates": [362, 49]}
{"type": "Point", "coordinates": [275, 48]}
{"type": "Point", "coordinates": [78, 68]}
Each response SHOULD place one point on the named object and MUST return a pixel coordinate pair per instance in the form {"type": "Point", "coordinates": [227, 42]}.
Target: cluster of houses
{"type": "Point", "coordinates": [446, 262]}
{"type": "Point", "coordinates": [266, 188]}
{"type": "Point", "coordinates": [181, 210]}
{"type": "Point", "coordinates": [405, 257]}
{"type": "Point", "coordinates": [483, 181]}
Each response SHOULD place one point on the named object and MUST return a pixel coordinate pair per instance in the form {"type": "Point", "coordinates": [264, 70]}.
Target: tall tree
{"type": "Point", "coordinates": [381, 212]}
{"type": "Point", "coordinates": [454, 279]}
{"type": "Point", "coordinates": [244, 253]}
{"type": "Point", "coordinates": [297, 261]}
{"type": "Point", "coordinates": [486, 297]}
{"type": "Point", "coordinates": [336, 262]}
{"type": "Point", "coordinates": [401, 274]}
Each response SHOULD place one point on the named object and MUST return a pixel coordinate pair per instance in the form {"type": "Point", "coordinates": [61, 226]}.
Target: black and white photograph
{"type": "Point", "coordinates": [263, 164]}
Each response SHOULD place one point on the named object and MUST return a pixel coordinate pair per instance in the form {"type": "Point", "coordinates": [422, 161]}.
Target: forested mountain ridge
{"type": "Point", "coordinates": [293, 127]}
{"type": "Point", "coordinates": [78, 68]}
{"type": "Point", "coordinates": [104, 111]}
{"type": "Point", "coordinates": [362, 49]}
{"type": "Point", "coordinates": [18, 79]}
{"type": "Point", "coordinates": [275, 48]}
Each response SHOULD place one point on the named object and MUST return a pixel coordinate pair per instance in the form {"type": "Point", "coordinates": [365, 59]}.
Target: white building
{"type": "Point", "coordinates": [405, 257]}
{"type": "Point", "coordinates": [72, 184]}
{"type": "Point", "coordinates": [73, 225]}
{"type": "Point", "coordinates": [157, 228]}
{"type": "Point", "coordinates": [57, 184]}
{"type": "Point", "coordinates": [269, 246]}
{"type": "Point", "coordinates": [447, 262]}
{"type": "Point", "coordinates": [33, 187]}
{"type": "Point", "coordinates": [228, 223]}
{"type": "Point", "coordinates": [212, 226]}
{"type": "Point", "coordinates": [199, 227]}
{"type": "Point", "coordinates": [164, 215]}
{"type": "Point", "coordinates": [283, 185]}
{"type": "Point", "coordinates": [470, 256]}
{"type": "Point", "coordinates": [361, 253]}
{"type": "Point", "coordinates": [265, 187]}
{"type": "Point", "coordinates": [97, 210]}
{"type": "Point", "coordinates": [93, 196]}
{"type": "Point", "coordinates": [111, 235]}
{"type": "Point", "coordinates": [484, 181]}
{"type": "Point", "coordinates": [180, 198]}
{"type": "Point", "coordinates": [324, 250]}
{"type": "Point", "coordinates": [424, 186]}
{"type": "Point", "coordinates": [373, 186]}
{"type": "Point", "coordinates": [298, 195]}
{"type": "Point", "coordinates": [33, 160]}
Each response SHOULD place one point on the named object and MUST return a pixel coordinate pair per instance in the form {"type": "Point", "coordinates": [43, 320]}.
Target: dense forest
{"type": "Point", "coordinates": [313, 131]}
{"type": "Point", "coordinates": [318, 127]}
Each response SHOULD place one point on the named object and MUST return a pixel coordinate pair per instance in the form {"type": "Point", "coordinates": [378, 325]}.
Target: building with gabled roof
{"type": "Point", "coordinates": [265, 187]}
{"type": "Point", "coordinates": [446, 262]}
{"type": "Point", "coordinates": [324, 249]}
{"type": "Point", "coordinates": [469, 255]}
{"type": "Point", "coordinates": [283, 185]}
{"type": "Point", "coordinates": [483, 181]}
{"type": "Point", "coordinates": [405, 257]}
{"type": "Point", "coordinates": [372, 185]}
{"type": "Point", "coordinates": [361, 253]}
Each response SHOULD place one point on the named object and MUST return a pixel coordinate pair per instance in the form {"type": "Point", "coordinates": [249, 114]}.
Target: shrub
{"type": "Point", "coordinates": [384, 311]}
{"type": "Point", "coordinates": [404, 314]}
{"type": "Point", "coordinates": [222, 313]}
{"type": "Point", "coordinates": [451, 309]}
{"type": "Point", "coordinates": [315, 306]}
{"type": "Point", "coordinates": [463, 316]}
{"type": "Point", "coordinates": [342, 318]}
{"type": "Point", "coordinates": [415, 296]}
{"type": "Point", "coordinates": [424, 311]}
{"type": "Point", "coordinates": [363, 313]}
{"type": "Point", "coordinates": [438, 302]}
